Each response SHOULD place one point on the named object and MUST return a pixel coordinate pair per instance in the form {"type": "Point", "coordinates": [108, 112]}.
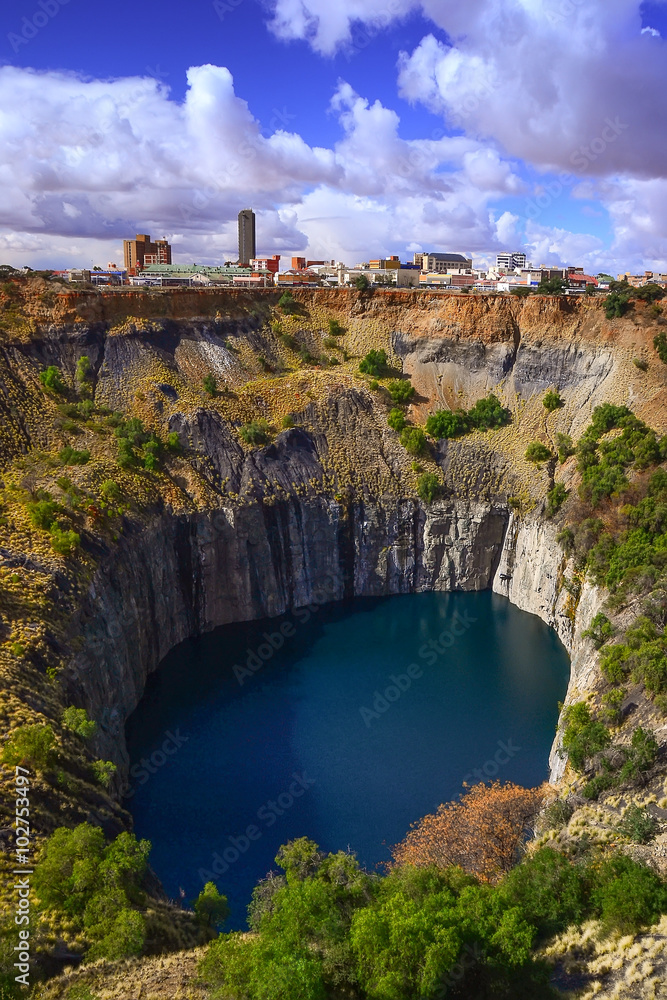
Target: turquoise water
{"type": "Point", "coordinates": [367, 716]}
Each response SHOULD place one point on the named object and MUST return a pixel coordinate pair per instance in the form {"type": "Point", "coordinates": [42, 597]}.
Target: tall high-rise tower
{"type": "Point", "coordinates": [247, 248]}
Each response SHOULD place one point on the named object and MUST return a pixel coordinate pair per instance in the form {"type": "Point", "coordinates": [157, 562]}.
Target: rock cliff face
{"type": "Point", "coordinates": [328, 510]}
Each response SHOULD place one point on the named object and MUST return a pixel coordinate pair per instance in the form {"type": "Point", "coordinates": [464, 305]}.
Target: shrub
{"type": "Point", "coordinates": [173, 442]}
{"type": "Point", "coordinates": [152, 451]}
{"type": "Point", "coordinates": [556, 497]}
{"type": "Point", "coordinates": [537, 452]}
{"type": "Point", "coordinates": [83, 369]}
{"type": "Point", "coordinates": [64, 543]}
{"type": "Point", "coordinates": [628, 895]}
{"type": "Point", "coordinates": [70, 456]}
{"type": "Point", "coordinates": [375, 363]}
{"type": "Point", "coordinates": [330, 343]}
{"type": "Point", "coordinates": [584, 736]}
{"type": "Point", "coordinates": [642, 364]}
{"type": "Point", "coordinates": [335, 329]}
{"type": "Point", "coordinates": [557, 814]}
{"type": "Point", "coordinates": [287, 340]}
{"type": "Point", "coordinates": [489, 413]}
{"type": "Point", "coordinates": [447, 424]}
{"type": "Point", "coordinates": [521, 293]}
{"type": "Point", "coordinates": [660, 344]}
{"type": "Point", "coordinates": [256, 432]}
{"type": "Point", "coordinates": [396, 420]}
{"type": "Point", "coordinates": [401, 392]}
{"type": "Point", "coordinates": [414, 441]}
{"type": "Point", "coordinates": [287, 421]}
{"type": "Point", "coordinates": [552, 401]}
{"type": "Point", "coordinates": [125, 456]}
{"type": "Point", "coordinates": [77, 721]}
{"type": "Point", "coordinates": [210, 384]}
{"type": "Point", "coordinates": [104, 771]}
{"type": "Point", "coordinates": [641, 755]}
{"type": "Point", "coordinates": [650, 292]}
{"type": "Point", "coordinates": [428, 487]}
{"type": "Point", "coordinates": [617, 304]}
{"type": "Point", "coordinates": [31, 745]}
{"type": "Point", "coordinates": [288, 303]}
{"type": "Point", "coordinates": [211, 907]}
{"type": "Point", "coordinates": [110, 490]}
{"type": "Point", "coordinates": [43, 513]}
{"type": "Point", "coordinates": [52, 380]}
{"type": "Point", "coordinates": [638, 825]}
{"type": "Point", "coordinates": [548, 888]}
{"type": "Point", "coordinates": [565, 447]}
{"type": "Point", "coordinates": [600, 630]}
{"type": "Point", "coordinates": [612, 702]}
{"type": "Point", "coordinates": [361, 283]}
{"type": "Point", "coordinates": [374, 385]}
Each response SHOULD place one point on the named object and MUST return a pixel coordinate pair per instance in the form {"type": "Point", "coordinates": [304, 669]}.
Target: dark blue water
{"type": "Point", "coordinates": [322, 741]}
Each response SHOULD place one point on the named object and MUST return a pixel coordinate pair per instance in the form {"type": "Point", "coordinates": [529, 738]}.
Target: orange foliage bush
{"type": "Point", "coordinates": [482, 832]}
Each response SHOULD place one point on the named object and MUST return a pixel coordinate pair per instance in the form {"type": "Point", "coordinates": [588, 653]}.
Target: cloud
{"type": "Point", "coordinates": [327, 26]}
{"type": "Point", "coordinates": [88, 160]}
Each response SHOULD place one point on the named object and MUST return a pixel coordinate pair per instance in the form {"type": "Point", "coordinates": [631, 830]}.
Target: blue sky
{"type": "Point", "coordinates": [356, 129]}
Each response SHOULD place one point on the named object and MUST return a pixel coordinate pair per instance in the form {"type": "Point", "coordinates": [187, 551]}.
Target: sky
{"type": "Point", "coordinates": [355, 129]}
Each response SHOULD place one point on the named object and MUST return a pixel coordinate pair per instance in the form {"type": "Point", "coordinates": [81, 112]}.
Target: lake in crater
{"type": "Point", "coordinates": [368, 716]}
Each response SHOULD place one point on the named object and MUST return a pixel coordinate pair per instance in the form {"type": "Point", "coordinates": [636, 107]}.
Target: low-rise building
{"type": "Point", "coordinates": [443, 263]}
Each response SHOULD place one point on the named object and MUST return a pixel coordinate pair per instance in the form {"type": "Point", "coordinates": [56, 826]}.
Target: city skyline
{"type": "Point", "coordinates": [392, 129]}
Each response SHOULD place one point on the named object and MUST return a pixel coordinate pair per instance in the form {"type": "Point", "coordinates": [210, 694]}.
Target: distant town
{"type": "Point", "coordinates": [148, 263]}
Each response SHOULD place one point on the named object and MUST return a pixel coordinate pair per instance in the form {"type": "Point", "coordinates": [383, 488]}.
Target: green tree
{"type": "Point", "coordinates": [31, 745]}
{"type": "Point", "coordinates": [628, 895]}
{"type": "Point", "coordinates": [639, 825]}
{"type": "Point", "coordinates": [552, 401]}
{"type": "Point", "coordinates": [396, 420]}
{"type": "Point", "coordinates": [361, 283]}
{"type": "Point", "coordinates": [70, 456]}
{"type": "Point", "coordinates": [414, 440]}
{"type": "Point", "coordinates": [83, 371]}
{"type": "Point", "coordinates": [489, 413]}
{"type": "Point", "coordinates": [335, 329]}
{"type": "Point", "coordinates": [552, 286]}
{"type": "Point", "coordinates": [173, 441]}
{"type": "Point", "coordinates": [43, 513]}
{"type": "Point", "coordinates": [77, 721]}
{"type": "Point", "coordinates": [556, 497]}
{"type": "Point", "coordinates": [375, 363]}
{"type": "Point", "coordinates": [660, 344]}
{"type": "Point", "coordinates": [257, 432]}
{"type": "Point", "coordinates": [125, 455]}
{"type": "Point", "coordinates": [564, 446]}
{"type": "Point", "coordinates": [617, 304]}
{"type": "Point", "coordinates": [288, 303]}
{"type": "Point", "coordinates": [52, 380]}
{"type": "Point", "coordinates": [124, 938]}
{"type": "Point", "coordinates": [211, 907]}
{"type": "Point", "coordinates": [522, 292]}
{"type": "Point", "coordinates": [64, 543]}
{"type": "Point", "coordinates": [401, 392]}
{"type": "Point", "coordinates": [584, 736]}
{"type": "Point", "coordinates": [428, 487]}
{"type": "Point", "coordinates": [600, 630]}
{"type": "Point", "coordinates": [448, 424]}
{"type": "Point", "coordinates": [210, 384]}
{"type": "Point", "coordinates": [111, 491]}
{"type": "Point", "coordinates": [104, 771]}
{"type": "Point", "coordinates": [537, 452]}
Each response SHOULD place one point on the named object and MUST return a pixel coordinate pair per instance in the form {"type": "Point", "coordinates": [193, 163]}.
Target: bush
{"type": "Point", "coordinates": [125, 455]}
{"type": "Point", "coordinates": [489, 413]}
{"type": "Point", "coordinates": [584, 736]}
{"type": "Point", "coordinates": [288, 303]}
{"type": "Point", "coordinates": [617, 304]}
{"type": "Point", "coordinates": [210, 384]}
{"type": "Point", "coordinates": [330, 343]}
{"type": "Point", "coordinates": [548, 888]}
{"type": "Point", "coordinates": [612, 702]}
{"type": "Point", "coordinates": [77, 721]}
{"type": "Point", "coordinates": [83, 370]}
{"type": "Point", "coordinates": [104, 771]}
{"type": "Point", "coordinates": [565, 447]}
{"type": "Point", "coordinates": [414, 441]}
{"type": "Point", "coordinates": [642, 364]}
{"type": "Point", "coordinates": [52, 380]}
{"type": "Point", "coordinates": [537, 452]}
{"type": "Point", "coordinates": [628, 895]}
{"type": "Point", "coordinates": [401, 392]}
{"type": "Point", "coordinates": [287, 340]}
{"type": "Point", "coordinates": [256, 432]}
{"type": "Point", "coordinates": [111, 491]}
{"type": "Point", "coordinates": [335, 329]}
{"type": "Point", "coordinates": [638, 825]}
{"type": "Point", "coordinates": [552, 401]}
{"type": "Point", "coordinates": [447, 424]}
{"type": "Point", "coordinates": [361, 283]}
{"type": "Point", "coordinates": [211, 907]}
{"type": "Point", "coordinates": [70, 456]}
{"type": "Point", "coordinates": [64, 543]}
{"type": "Point", "coordinates": [396, 420]}
{"type": "Point", "coordinates": [558, 814]}
{"type": "Point", "coordinates": [375, 363]}
{"type": "Point", "coordinates": [428, 487]}
{"type": "Point", "coordinates": [556, 497]}
{"type": "Point", "coordinates": [152, 450]}
{"type": "Point", "coordinates": [660, 344]}
{"type": "Point", "coordinates": [374, 385]}
{"type": "Point", "coordinates": [173, 442]}
{"type": "Point", "coordinates": [600, 630]}
{"type": "Point", "coordinates": [30, 746]}
{"type": "Point", "coordinates": [521, 293]}
{"type": "Point", "coordinates": [287, 422]}
{"type": "Point", "coordinates": [43, 513]}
